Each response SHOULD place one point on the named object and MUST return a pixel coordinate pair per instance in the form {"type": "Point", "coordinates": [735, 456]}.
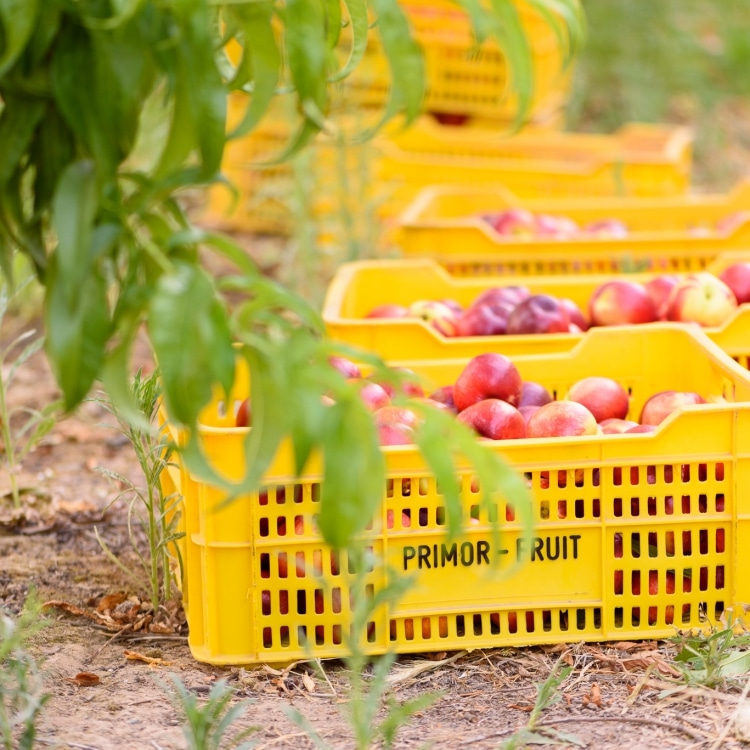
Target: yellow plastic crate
{"type": "Point", "coordinates": [462, 79]}
{"type": "Point", "coordinates": [668, 233]}
{"type": "Point", "coordinates": [359, 287]}
{"type": "Point", "coordinates": [616, 517]}
{"type": "Point", "coordinates": [637, 160]}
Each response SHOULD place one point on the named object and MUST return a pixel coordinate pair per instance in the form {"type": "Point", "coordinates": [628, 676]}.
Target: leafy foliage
{"type": "Point", "coordinates": [718, 655]}
{"type": "Point", "coordinates": [111, 242]}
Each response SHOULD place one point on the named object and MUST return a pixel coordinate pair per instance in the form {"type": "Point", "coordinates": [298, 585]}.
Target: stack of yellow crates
{"type": "Point", "coordinates": [469, 101]}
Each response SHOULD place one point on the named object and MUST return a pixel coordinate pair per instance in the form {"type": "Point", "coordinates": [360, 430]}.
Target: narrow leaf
{"type": "Point", "coordinates": [348, 502]}
{"type": "Point", "coordinates": [265, 61]}
{"type": "Point", "coordinates": [76, 336]}
{"type": "Point", "coordinates": [73, 212]}
{"type": "Point", "coordinates": [18, 19]}
{"type": "Point", "coordinates": [359, 24]}
{"type": "Point", "coordinates": [405, 59]}
{"type": "Point", "coordinates": [191, 339]}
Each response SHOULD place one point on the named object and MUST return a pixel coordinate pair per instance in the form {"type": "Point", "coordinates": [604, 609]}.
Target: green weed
{"type": "Point", "coordinates": [21, 696]}
{"type": "Point", "coordinates": [535, 733]}
{"type": "Point", "coordinates": [148, 506]}
{"type": "Point", "coordinates": [207, 725]}
{"type": "Point", "coordinates": [21, 427]}
{"type": "Point", "coordinates": [717, 656]}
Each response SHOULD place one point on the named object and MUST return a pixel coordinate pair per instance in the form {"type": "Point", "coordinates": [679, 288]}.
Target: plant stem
{"type": "Point", "coordinates": [10, 457]}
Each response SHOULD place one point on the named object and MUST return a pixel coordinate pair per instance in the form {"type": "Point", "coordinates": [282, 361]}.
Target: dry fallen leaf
{"type": "Point", "coordinates": [308, 682]}
{"type": "Point", "coordinates": [110, 601]}
{"type": "Point", "coordinates": [85, 679]}
{"type": "Point", "coordinates": [135, 656]}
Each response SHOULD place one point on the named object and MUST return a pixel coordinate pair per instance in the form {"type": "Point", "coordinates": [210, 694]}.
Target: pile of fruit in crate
{"type": "Point", "coordinates": [701, 298]}
{"type": "Point", "coordinates": [491, 397]}
{"type": "Point", "coordinates": [520, 223]}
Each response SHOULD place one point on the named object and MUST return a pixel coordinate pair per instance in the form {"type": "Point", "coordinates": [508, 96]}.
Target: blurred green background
{"type": "Point", "coordinates": [676, 61]}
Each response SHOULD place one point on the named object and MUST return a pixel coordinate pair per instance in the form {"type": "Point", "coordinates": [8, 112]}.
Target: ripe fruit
{"type": "Point", "coordinates": [605, 398]}
{"type": "Point", "coordinates": [388, 310]}
{"type": "Point", "coordinates": [487, 375]}
{"type": "Point", "coordinates": [662, 404]}
{"type": "Point", "coordinates": [243, 417]}
{"type": "Point", "coordinates": [396, 425]}
{"type": "Point", "coordinates": [444, 396]}
{"type": "Point", "coordinates": [527, 411]}
{"type": "Point", "coordinates": [513, 222]}
{"type": "Point", "coordinates": [484, 320]}
{"type": "Point", "coordinates": [345, 366]}
{"type": "Point", "coordinates": [559, 227]}
{"type": "Point", "coordinates": [659, 290]}
{"type": "Point", "coordinates": [494, 419]}
{"type": "Point", "coordinates": [438, 315]}
{"type": "Point", "coordinates": [621, 302]}
{"type": "Point", "coordinates": [534, 394]}
{"type": "Point", "coordinates": [575, 314]}
{"type": "Point", "coordinates": [503, 295]}
{"type": "Point", "coordinates": [540, 313]}
{"type": "Point", "coordinates": [372, 394]}
{"type": "Point", "coordinates": [607, 228]}
{"type": "Point", "coordinates": [616, 426]}
{"type": "Point", "coordinates": [737, 278]}
{"type": "Point", "coordinates": [641, 428]}
{"type": "Point", "coordinates": [701, 298]}
{"type": "Point", "coordinates": [561, 419]}
{"type": "Point", "coordinates": [410, 385]}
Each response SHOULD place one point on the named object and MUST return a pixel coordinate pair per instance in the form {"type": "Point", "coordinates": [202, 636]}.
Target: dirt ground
{"type": "Point", "coordinates": [616, 693]}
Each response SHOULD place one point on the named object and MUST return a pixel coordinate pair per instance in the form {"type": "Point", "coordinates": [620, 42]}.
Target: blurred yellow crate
{"type": "Point", "coordinates": [636, 160]}
{"type": "Point", "coordinates": [668, 233]}
{"type": "Point", "coordinates": [461, 78]}
{"type": "Point", "coordinates": [634, 535]}
{"type": "Point", "coordinates": [361, 286]}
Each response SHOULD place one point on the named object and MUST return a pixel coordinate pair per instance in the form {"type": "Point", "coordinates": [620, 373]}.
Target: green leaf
{"type": "Point", "coordinates": [360, 27]}
{"type": "Point", "coordinates": [567, 20]}
{"type": "Point", "coordinates": [482, 22]}
{"type": "Point", "coordinates": [221, 243]}
{"type": "Point", "coordinates": [735, 663]}
{"type": "Point", "coordinates": [405, 59]}
{"type": "Point", "coordinates": [76, 336]}
{"type": "Point", "coordinates": [73, 72]}
{"type": "Point", "coordinates": [124, 76]}
{"type": "Point", "coordinates": [43, 34]}
{"type": "Point", "coordinates": [333, 22]}
{"type": "Point", "coordinates": [53, 150]}
{"type": "Point", "coordinates": [265, 61]}
{"type": "Point", "coordinates": [190, 335]}
{"type": "Point", "coordinates": [351, 452]}
{"type": "Point", "coordinates": [74, 209]}
{"type": "Point", "coordinates": [18, 121]}
{"type": "Point", "coordinates": [515, 45]}
{"type": "Point", "coordinates": [18, 19]}
{"type": "Point", "coordinates": [307, 56]}
{"type": "Point", "coordinates": [199, 109]}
